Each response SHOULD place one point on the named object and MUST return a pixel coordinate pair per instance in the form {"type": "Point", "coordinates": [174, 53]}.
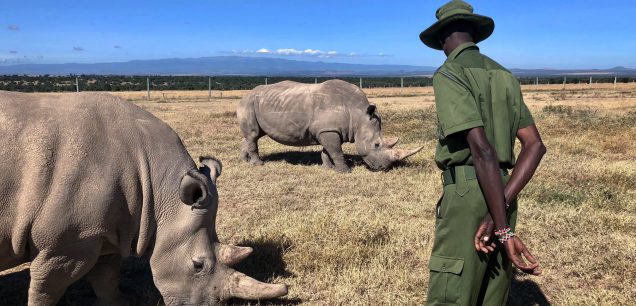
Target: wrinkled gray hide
{"type": "Point", "coordinates": [86, 179]}
{"type": "Point", "coordinates": [329, 114]}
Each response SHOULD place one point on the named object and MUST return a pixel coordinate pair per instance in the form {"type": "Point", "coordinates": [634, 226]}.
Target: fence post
{"type": "Point", "coordinates": [564, 81]}
{"type": "Point", "coordinates": [148, 87]}
{"type": "Point", "coordinates": [615, 79]}
{"type": "Point", "coordinates": [265, 81]}
{"type": "Point", "coordinates": [209, 88]}
{"type": "Point", "coordinates": [537, 82]}
{"type": "Point", "coordinates": [401, 84]}
{"type": "Point", "coordinates": [360, 82]}
{"type": "Point", "coordinates": [315, 80]}
{"type": "Point", "coordinates": [77, 84]}
{"type": "Point", "coordinates": [590, 81]}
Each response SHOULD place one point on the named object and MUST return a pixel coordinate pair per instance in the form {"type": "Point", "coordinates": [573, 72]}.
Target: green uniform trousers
{"type": "Point", "coordinates": [459, 275]}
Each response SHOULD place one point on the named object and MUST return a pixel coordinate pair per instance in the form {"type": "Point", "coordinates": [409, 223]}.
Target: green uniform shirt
{"type": "Point", "coordinates": [472, 90]}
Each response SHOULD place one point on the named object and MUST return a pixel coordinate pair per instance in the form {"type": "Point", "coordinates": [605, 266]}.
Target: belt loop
{"type": "Point", "coordinates": [461, 185]}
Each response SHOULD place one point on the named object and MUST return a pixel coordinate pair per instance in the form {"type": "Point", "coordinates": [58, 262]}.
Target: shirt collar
{"type": "Point", "coordinates": [459, 50]}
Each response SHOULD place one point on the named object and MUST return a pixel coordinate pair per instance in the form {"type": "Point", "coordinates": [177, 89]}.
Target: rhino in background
{"type": "Point", "coordinates": [86, 179]}
{"type": "Point", "coordinates": [329, 114]}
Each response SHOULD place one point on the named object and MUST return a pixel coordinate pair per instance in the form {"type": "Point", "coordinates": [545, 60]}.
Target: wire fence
{"type": "Point", "coordinates": [72, 83]}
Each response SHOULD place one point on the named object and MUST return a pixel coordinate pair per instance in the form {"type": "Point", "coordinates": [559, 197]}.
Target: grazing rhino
{"type": "Point", "coordinates": [329, 114]}
{"type": "Point", "coordinates": [86, 179]}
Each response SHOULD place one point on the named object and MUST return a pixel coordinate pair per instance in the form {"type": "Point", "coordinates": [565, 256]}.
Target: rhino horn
{"type": "Point", "coordinates": [400, 154]}
{"type": "Point", "coordinates": [244, 287]}
{"type": "Point", "coordinates": [390, 142]}
{"type": "Point", "coordinates": [230, 254]}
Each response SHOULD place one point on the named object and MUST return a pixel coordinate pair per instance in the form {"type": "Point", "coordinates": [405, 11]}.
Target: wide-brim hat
{"type": "Point", "coordinates": [452, 11]}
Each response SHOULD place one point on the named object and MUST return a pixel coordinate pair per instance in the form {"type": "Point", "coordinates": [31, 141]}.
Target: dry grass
{"type": "Point", "coordinates": [364, 238]}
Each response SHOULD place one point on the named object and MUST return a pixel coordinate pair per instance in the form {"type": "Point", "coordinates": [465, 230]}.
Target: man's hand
{"type": "Point", "coordinates": [484, 237]}
{"type": "Point", "coordinates": [515, 249]}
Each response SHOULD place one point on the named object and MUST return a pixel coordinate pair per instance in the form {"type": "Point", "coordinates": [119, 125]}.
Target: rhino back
{"type": "Point", "coordinates": [75, 167]}
{"type": "Point", "coordinates": [295, 113]}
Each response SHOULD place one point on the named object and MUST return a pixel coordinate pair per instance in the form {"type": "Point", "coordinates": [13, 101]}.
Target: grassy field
{"type": "Point", "coordinates": [364, 238]}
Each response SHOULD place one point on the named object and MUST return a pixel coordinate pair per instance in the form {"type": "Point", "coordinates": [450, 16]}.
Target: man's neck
{"type": "Point", "coordinates": [455, 40]}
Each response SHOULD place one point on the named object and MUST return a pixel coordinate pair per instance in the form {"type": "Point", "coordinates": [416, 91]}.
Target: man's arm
{"type": "Point", "coordinates": [532, 150]}
{"type": "Point", "coordinates": [489, 178]}
{"type": "Point", "coordinates": [488, 174]}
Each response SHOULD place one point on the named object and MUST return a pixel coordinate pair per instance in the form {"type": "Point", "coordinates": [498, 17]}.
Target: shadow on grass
{"type": "Point", "coordinates": [14, 288]}
{"type": "Point", "coordinates": [526, 292]}
{"type": "Point", "coordinates": [313, 158]}
{"type": "Point", "coordinates": [265, 264]}
{"type": "Point", "coordinates": [309, 158]}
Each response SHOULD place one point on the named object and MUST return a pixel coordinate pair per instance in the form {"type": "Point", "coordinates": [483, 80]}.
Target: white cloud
{"type": "Point", "coordinates": [13, 27]}
{"type": "Point", "coordinates": [312, 52]}
{"type": "Point", "coordinates": [306, 52]}
{"type": "Point", "coordinates": [289, 51]}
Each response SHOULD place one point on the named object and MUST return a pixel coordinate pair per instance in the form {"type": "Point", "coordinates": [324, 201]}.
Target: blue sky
{"type": "Point", "coordinates": [528, 34]}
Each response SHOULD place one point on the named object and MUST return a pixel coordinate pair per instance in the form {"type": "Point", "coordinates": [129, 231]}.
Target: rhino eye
{"type": "Point", "coordinates": [197, 265]}
{"type": "Point", "coordinates": [377, 145]}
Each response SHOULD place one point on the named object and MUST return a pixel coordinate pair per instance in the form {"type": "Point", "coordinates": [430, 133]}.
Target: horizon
{"type": "Point", "coordinates": [354, 32]}
{"type": "Point", "coordinates": [314, 61]}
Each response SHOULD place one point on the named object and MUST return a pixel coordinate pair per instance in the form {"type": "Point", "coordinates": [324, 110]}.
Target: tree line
{"type": "Point", "coordinates": [575, 80]}
{"type": "Point", "coordinates": [51, 83]}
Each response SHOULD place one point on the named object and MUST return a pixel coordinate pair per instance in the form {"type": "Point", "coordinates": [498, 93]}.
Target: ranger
{"type": "Point", "coordinates": [480, 112]}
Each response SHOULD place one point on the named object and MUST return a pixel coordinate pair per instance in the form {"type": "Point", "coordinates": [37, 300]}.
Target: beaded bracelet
{"type": "Point", "coordinates": [504, 234]}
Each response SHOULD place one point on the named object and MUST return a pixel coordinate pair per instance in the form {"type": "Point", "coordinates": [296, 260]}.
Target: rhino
{"type": "Point", "coordinates": [329, 114]}
{"type": "Point", "coordinates": [87, 179]}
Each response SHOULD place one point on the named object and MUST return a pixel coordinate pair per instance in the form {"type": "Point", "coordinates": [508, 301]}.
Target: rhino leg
{"type": "Point", "coordinates": [251, 133]}
{"type": "Point", "coordinates": [249, 150]}
{"type": "Point", "coordinates": [53, 271]}
{"type": "Point", "coordinates": [332, 144]}
{"type": "Point", "coordinates": [326, 160]}
{"type": "Point", "coordinates": [104, 278]}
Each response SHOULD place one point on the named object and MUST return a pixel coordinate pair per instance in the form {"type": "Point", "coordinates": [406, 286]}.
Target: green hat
{"type": "Point", "coordinates": [456, 10]}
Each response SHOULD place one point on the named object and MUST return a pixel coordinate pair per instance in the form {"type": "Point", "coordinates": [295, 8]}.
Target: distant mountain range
{"type": "Point", "coordinates": [616, 71]}
{"type": "Point", "coordinates": [219, 65]}
{"type": "Point", "coordinates": [253, 66]}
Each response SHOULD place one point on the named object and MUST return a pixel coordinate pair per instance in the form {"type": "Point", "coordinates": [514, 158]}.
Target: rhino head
{"type": "Point", "coordinates": [378, 153]}
{"type": "Point", "coordinates": [189, 264]}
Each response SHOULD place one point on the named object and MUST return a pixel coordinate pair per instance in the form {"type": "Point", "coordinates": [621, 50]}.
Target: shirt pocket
{"type": "Point", "coordinates": [445, 280]}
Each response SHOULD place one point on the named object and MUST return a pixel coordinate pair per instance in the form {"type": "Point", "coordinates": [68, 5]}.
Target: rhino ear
{"type": "Point", "coordinates": [211, 167]}
{"type": "Point", "coordinates": [192, 190]}
{"type": "Point", "coordinates": [371, 109]}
